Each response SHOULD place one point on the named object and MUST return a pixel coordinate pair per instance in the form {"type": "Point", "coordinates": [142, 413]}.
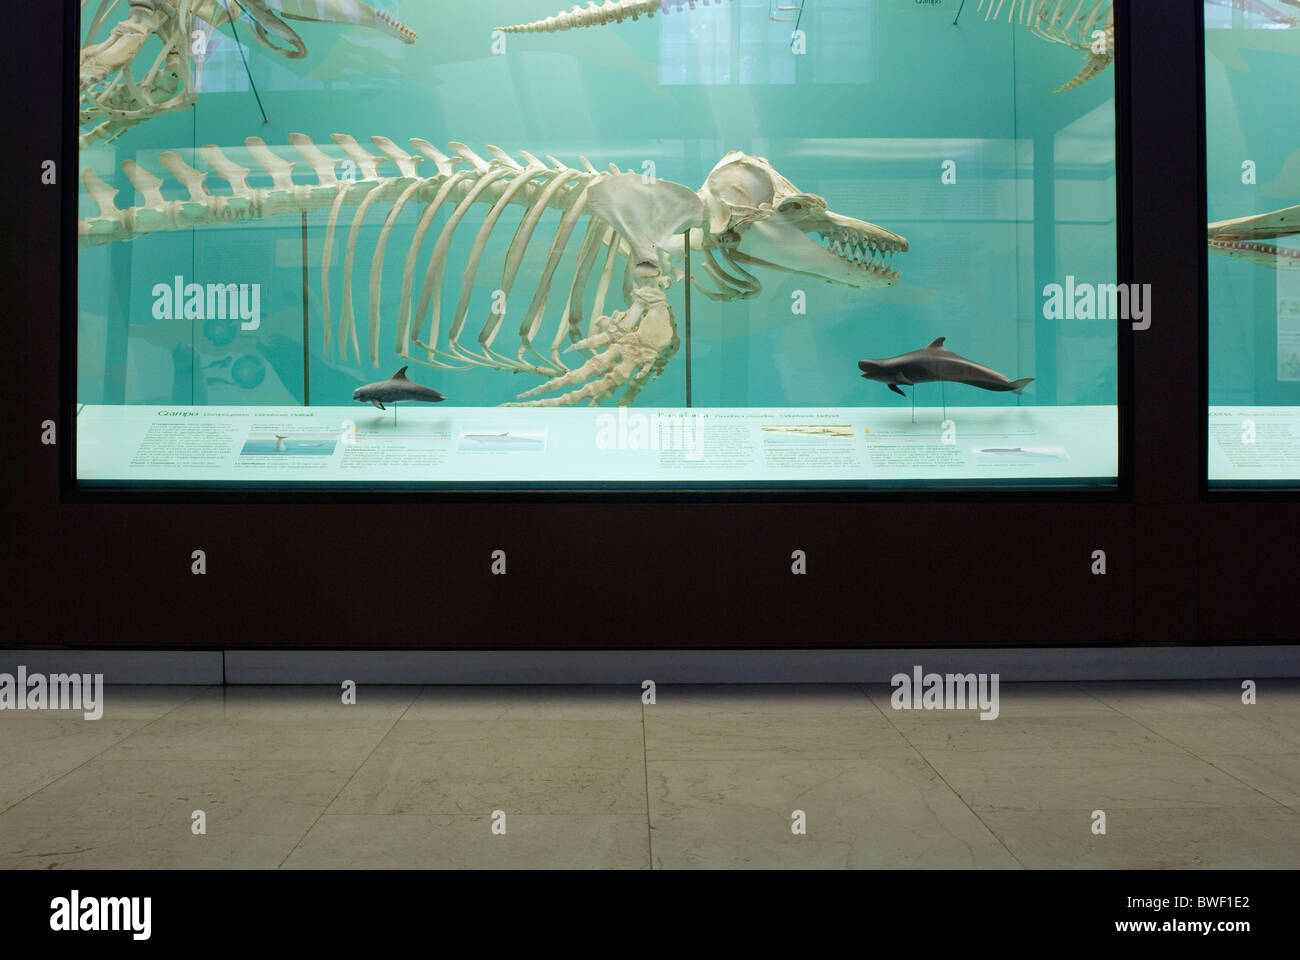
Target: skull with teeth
{"type": "Point", "coordinates": [753, 215]}
{"type": "Point", "coordinates": [1255, 238]}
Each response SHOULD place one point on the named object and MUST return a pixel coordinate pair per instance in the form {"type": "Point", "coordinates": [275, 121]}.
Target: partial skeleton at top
{"type": "Point", "coordinates": [598, 14]}
{"type": "Point", "coordinates": [115, 96]}
{"type": "Point", "coordinates": [320, 11]}
{"type": "Point", "coordinates": [1084, 25]}
{"type": "Point", "coordinates": [1070, 22]}
{"type": "Point", "coordinates": [1268, 9]}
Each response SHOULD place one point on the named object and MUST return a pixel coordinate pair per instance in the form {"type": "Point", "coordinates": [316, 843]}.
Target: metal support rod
{"type": "Point", "coordinates": [306, 363]}
{"type": "Point", "coordinates": [688, 316]}
{"type": "Point", "coordinates": [244, 58]}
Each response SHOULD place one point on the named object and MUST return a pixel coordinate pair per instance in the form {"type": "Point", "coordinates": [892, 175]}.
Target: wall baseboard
{"type": "Point", "coordinates": [673, 666]}
{"type": "Point", "coordinates": [121, 666]}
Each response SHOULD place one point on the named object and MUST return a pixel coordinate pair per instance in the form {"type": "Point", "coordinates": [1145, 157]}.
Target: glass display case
{"type": "Point", "coordinates": [1252, 51]}
{"type": "Point", "coordinates": [646, 244]}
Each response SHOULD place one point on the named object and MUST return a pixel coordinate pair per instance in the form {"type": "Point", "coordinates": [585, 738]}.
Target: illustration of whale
{"type": "Point", "coordinates": [933, 364]}
{"type": "Point", "coordinates": [279, 442]}
{"type": "Point", "coordinates": [503, 437]}
{"type": "Point", "coordinates": [395, 390]}
{"type": "Point", "coordinates": [1038, 453]}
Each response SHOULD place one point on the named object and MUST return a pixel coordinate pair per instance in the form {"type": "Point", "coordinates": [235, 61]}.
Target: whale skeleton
{"type": "Point", "coordinates": [1084, 25]}
{"type": "Point", "coordinates": [746, 216]}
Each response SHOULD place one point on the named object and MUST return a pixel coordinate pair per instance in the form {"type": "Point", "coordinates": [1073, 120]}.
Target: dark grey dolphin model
{"type": "Point", "coordinates": [395, 390]}
{"type": "Point", "coordinates": [934, 363]}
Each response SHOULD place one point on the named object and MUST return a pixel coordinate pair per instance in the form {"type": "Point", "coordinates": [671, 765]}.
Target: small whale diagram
{"type": "Point", "coordinates": [504, 437]}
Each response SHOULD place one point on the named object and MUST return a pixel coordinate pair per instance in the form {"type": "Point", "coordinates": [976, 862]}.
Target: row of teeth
{"type": "Point", "coordinates": [864, 253]}
{"type": "Point", "coordinates": [1269, 248]}
{"type": "Point", "coordinates": [396, 24]}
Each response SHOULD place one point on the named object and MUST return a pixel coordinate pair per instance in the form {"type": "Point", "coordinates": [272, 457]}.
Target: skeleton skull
{"type": "Point", "coordinates": [264, 16]}
{"type": "Point", "coordinates": [753, 215]}
{"type": "Point", "coordinates": [114, 98]}
{"type": "Point", "coordinates": [1255, 238]}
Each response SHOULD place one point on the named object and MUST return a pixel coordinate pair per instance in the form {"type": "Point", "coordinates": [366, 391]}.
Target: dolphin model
{"type": "Point", "coordinates": [394, 390]}
{"type": "Point", "coordinates": [934, 363]}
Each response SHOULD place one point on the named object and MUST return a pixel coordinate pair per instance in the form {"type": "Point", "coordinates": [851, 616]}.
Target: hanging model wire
{"type": "Point", "coordinates": [781, 13]}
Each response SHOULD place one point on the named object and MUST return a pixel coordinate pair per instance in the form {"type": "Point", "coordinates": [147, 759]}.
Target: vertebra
{"type": "Point", "coordinates": [595, 15]}
{"type": "Point", "coordinates": [1069, 22]}
{"type": "Point", "coordinates": [746, 215]}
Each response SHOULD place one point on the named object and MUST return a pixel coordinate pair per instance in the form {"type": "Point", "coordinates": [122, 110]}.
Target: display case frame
{"type": "Point", "coordinates": [671, 570]}
{"type": "Point", "coordinates": [1119, 490]}
{"type": "Point", "coordinates": [1211, 491]}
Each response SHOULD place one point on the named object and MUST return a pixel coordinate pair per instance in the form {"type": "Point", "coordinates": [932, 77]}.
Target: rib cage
{"type": "Point", "coordinates": [459, 183]}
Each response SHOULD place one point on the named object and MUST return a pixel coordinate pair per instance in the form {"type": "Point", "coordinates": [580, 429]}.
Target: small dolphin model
{"type": "Point", "coordinates": [397, 389]}
{"type": "Point", "coordinates": [934, 363]}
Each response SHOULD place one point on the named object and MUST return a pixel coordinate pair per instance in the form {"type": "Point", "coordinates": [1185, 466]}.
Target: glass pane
{"type": "Point", "coordinates": [842, 244]}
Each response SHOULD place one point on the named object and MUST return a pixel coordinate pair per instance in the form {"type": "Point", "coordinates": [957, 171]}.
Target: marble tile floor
{"type": "Point", "coordinates": [1186, 775]}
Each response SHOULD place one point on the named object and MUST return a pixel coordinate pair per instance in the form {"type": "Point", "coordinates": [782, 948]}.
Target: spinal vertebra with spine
{"type": "Point", "coordinates": [1069, 22]}
{"type": "Point", "coordinates": [1084, 25]}
{"type": "Point", "coordinates": [745, 215]}
{"type": "Point", "coordinates": [598, 14]}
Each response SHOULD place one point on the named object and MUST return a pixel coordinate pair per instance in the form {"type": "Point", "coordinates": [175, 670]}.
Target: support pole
{"type": "Point", "coordinates": [687, 235]}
